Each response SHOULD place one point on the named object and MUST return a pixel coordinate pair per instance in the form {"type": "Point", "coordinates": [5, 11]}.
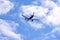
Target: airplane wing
{"type": "Point", "coordinates": [34, 19]}
{"type": "Point", "coordinates": [25, 17]}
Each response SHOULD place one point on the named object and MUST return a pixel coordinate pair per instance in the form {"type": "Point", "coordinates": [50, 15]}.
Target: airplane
{"type": "Point", "coordinates": [30, 18]}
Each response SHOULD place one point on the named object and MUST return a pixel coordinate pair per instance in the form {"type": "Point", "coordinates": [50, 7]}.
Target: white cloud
{"type": "Point", "coordinates": [36, 25]}
{"type": "Point", "coordinates": [45, 3]}
{"type": "Point", "coordinates": [5, 6]}
{"type": "Point", "coordinates": [38, 10]}
{"type": "Point", "coordinates": [7, 30]}
{"type": "Point", "coordinates": [54, 16]}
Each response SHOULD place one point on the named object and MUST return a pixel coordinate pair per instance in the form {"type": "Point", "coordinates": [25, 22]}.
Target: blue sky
{"type": "Point", "coordinates": [13, 26]}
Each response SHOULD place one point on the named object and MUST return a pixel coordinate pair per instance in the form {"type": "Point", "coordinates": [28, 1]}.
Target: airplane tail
{"type": "Point", "coordinates": [33, 13]}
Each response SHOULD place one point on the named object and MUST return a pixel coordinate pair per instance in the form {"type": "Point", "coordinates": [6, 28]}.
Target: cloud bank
{"type": "Point", "coordinates": [5, 6]}
{"type": "Point", "coordinates": [7, 30]}
{"type": "Point", "coordinates": [41, 12]}
{"type": "Point", "coordinates": [48, 13]}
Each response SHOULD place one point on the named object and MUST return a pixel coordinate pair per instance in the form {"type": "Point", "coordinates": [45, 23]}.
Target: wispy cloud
{"type": "Point", "coordinates": [5, 6]}
{"type": "Point", "coordinates": [8, 30]}
{"type": "Point", "coordinates": [36, 25]}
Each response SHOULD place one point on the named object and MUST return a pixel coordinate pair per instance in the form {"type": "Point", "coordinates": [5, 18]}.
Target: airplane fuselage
{"type": "Point", "coordinates": [30, 18]}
